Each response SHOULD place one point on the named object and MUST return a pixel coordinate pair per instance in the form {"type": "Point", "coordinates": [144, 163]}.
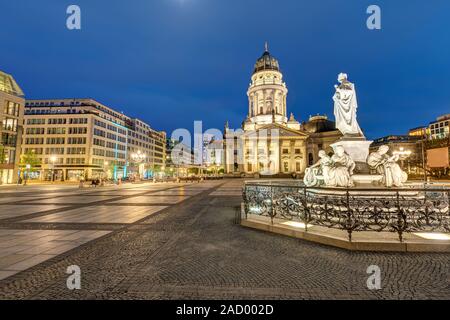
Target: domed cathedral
{"type": "Point", "coordinates": [269, 143]}
{"type": "Point", "coordinates": [266, 94]}
{"type": "Point", "coordinates": [322, 134]}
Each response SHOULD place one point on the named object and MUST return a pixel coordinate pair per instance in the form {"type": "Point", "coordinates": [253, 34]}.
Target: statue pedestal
{"type": "Point", "coordinates": [358, 149]}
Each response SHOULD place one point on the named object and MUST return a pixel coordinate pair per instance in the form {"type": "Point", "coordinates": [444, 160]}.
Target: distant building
{"type": "Point", "coordinates": [82, 138]}
{"type": "Point", "coordinates": [419, 132]}
{"type": "Point", "coordinates": [179, 159]}
{"type": "Point", "coordinates": [11, 119]}
{"type": "Point", "coordinates": [322, 133]}
{"type": "Point", "coordinates": [215, 159]}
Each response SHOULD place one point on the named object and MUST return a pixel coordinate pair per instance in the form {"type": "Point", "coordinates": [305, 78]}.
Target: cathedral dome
{"type": "Point", "coordinates": [266, 62]}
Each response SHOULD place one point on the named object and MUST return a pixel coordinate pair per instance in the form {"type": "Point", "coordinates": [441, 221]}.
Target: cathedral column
{"type": "Point", "coordinates": [279, 96]}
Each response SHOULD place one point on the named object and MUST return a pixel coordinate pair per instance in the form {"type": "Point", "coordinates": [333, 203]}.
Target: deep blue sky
{"type": "Point", "coordinates": [170, 62]}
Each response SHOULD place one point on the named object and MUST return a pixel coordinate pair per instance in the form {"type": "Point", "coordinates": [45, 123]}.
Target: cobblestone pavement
{"type": "Point", "coordinates": [180, 241]}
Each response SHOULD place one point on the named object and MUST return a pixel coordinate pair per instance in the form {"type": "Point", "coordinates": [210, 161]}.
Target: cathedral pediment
{"type": "Point", "coordinates": [275, 129]}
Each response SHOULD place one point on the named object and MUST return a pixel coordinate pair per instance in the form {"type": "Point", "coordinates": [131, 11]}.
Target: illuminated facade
{"type": "Point", "coordinates": [11, 119]}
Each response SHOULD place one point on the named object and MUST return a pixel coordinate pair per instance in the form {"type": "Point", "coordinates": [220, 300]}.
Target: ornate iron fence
{"type": "Point", "coordinates": [353, 209]}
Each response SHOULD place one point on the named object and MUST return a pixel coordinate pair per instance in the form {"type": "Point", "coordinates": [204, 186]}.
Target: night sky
{"type": "Point", "coordinates": [170, 62]}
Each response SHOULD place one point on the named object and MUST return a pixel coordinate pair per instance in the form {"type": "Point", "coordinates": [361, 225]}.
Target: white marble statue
{"type": "Point", "coordinates": [320, 172]}
{"type": "Point", "coordinates": [336, 171]}
{"type": "Point", "coordinates": [343, 167]}
{"type": "Point", "coordinates": [345, 106]}
{"type": "Point", "coordinates": [387, 166]}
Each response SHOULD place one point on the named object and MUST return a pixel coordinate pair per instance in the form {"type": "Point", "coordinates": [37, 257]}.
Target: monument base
{"type": "Point", "coordinates": [367, 179]}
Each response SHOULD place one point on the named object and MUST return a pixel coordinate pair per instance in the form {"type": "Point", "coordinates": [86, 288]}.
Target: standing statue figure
{"type": "Point", "coordinates": [321, 172]}
{"type": "Point", "coordinates": [345, 106]}
{"type": "Point", "coordinates": [387, 166]}
{"type": "Point", "coordinates": [343, 167]}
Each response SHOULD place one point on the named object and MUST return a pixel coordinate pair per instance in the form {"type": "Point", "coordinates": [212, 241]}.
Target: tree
{"type": "Point", "coordinates": [2, 160]}
{"type": "Point", "coordinates": [2, 153]}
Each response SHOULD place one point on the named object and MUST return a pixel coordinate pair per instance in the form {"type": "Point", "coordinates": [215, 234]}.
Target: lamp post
{"type": "Point", "coordinates": [139, 159]}
{"type": "Point", "coordinates": [53, 160]}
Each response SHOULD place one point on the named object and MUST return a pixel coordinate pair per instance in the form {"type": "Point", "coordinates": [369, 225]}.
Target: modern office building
{"type": "Point", "coordinates": [11, 118]}
{"type": "Point", "coordinates": [322, 134]}
{"type": "Point", "coordinates": [419, 132]}
{"type": "Point", "coordinates": [409, 148]}
{"type": "Point", "coordinates": [83, 139]}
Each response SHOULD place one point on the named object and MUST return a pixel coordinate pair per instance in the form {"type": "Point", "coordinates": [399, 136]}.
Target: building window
{"type": "Point", "coordinates": [11, 109]}
{"type": "Point", "coordinates": [78, 130]}
{"type": "Point", "coordinates": [298, 151]}
{"type": "Point", "coordinates": [286, 166]}
{"type": "Point", "coordinates": [54, 151]}
{"type": "Point", "coordinates": [73, 140]}
{"type": "Point", "coordinates": [75, 161]}
{"type": "Point", "coordinates": [76, 150]}
{"type": "Point", "coordinates": [56, 140]}
{"type": "Point", "coordinates": [57, 121]}
{"type": "Point", "coordinates": [297, 166]}
{"type": "Point", "coordinates": [285, 151]}
{"type": "Point", "coordinates": [249, 167]}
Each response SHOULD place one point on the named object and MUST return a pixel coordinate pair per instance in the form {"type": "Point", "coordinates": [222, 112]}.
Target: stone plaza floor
{"type": "Point", "coordinates": [180, 241]}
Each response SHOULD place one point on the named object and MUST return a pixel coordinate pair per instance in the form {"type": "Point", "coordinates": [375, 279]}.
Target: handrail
{"type": "Point", "coordinates": [343, 189]}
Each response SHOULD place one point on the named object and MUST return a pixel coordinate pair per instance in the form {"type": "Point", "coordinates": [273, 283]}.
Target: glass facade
{"type": "Point", "coordinates": [11, 117]}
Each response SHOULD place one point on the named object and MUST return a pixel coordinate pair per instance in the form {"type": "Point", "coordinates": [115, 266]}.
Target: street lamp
{"type": "Point", "coordinates": [105, 169]}
{"type": "Point", "coordinates": [139, 158]}
{"type": "Point", "coordinates": [53, 160]}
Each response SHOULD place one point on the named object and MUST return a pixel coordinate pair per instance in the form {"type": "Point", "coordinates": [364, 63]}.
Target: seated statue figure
{"type": "Point", "coordinates": [343, 167]}
{"type": "Point", "coordinates": [320, 172]}
{"type": "Point", "coordinates": [387, 166]}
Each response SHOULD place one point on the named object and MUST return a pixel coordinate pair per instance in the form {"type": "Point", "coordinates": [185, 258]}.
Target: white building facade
{"type": "Point", "coordinates": [269, 143]}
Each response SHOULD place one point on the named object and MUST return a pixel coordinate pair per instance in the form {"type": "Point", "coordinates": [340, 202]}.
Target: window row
{"type": "Point", "coordinates": [71, 140]}
{"type": "Point", "coordinates": [55, 150]}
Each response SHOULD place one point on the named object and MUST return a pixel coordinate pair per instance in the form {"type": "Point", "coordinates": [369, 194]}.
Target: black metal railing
{"type": "Point", "coordinates": [400, 210]}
